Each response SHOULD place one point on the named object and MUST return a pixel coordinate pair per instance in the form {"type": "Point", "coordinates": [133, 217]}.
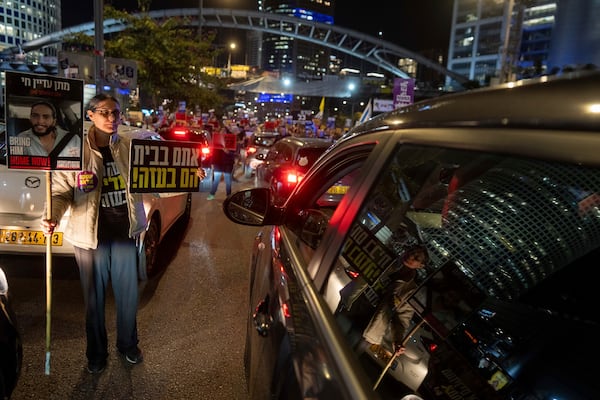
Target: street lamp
{"type": "Point", "coordinates": [231, 48]}
{"type": "Point", "coordinates": [98, 44]}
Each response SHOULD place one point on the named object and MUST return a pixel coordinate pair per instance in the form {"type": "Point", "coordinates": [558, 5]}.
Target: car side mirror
{"type": "Point", "coordinates": [248, 207]}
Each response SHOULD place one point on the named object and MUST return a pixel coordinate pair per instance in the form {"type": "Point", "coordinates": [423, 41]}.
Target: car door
{"type": "Point", "coordinates": [292, 342]}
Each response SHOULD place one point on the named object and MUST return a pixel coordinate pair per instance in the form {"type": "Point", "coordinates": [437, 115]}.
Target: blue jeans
{"type": "Point", "coordinates": [217, 179]}
{"type": "Point", "coordinates": [114, 260]}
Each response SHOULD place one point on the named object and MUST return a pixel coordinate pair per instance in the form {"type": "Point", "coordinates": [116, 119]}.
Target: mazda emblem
{"type": "Point", "coordinates": [32, 182]}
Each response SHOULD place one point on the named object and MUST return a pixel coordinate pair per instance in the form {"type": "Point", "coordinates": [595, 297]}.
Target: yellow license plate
{"type": "Point", "coordinates": [10, 236]}
{"type": "Point", "coordinates": [337, 189]}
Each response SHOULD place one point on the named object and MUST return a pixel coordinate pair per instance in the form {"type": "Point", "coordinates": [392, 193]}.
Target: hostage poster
{"type": "Point", "coordinates": [44, 122]}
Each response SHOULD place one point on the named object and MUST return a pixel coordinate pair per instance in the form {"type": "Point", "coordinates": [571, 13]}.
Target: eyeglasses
{"type": "Point", "coordinates": [106, 113]}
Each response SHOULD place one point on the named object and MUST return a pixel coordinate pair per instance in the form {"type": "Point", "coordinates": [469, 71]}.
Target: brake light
{"type": "Point", "coordinates": [292, 177]}
{"type": "Point", "coordinates": [250, 150]}
{"type": "Point", "coordinates": [205, 151]}
{"type": "Point", "coordinates": [179, 132]}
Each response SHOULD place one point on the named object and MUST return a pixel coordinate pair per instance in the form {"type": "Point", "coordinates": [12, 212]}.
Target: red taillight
{"type": "Point", "coordinates": [205, 151]}
{"type": "Point", "coordinates": [292, 177]}
{"type": "Point", "coordinates": [250, 150]}
{"type": "Point", "coordinates": [179, 132]}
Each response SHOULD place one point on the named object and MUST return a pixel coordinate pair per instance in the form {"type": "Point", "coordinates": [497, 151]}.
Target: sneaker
{"type": "Point", "coordinates": [210, 197]}
{"type": "Point", "coordinates": [96, 367]}
{"type": "Point", "coordinates": [133, 356]}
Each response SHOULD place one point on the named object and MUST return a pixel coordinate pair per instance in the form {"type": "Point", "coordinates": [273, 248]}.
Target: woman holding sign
{"type": "Point", "coordinates": [105, 224]}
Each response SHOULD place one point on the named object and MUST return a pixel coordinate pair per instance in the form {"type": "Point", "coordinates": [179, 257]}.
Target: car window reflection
{"type": "Point", "coordinates": [480, 213]}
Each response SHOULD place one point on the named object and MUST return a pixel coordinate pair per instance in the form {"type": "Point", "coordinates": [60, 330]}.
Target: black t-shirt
{"type": "Point", "coordinates": [113, 221]}
{"type": "Point", "coordinates": [223, 160]}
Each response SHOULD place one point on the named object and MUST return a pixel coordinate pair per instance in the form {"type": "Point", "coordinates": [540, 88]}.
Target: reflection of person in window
{"type": "Point", "coordinates": [391, 320]}
{"type": "Point", "coordinates": [44, 135]}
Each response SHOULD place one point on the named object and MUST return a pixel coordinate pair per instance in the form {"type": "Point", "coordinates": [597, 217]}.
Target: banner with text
{"type": "Point", "coordinates": [224, 141]}
{"type": "Point", "coordinates": [163, 166]}
{"type": "Point", "coordinates": [404, 92]}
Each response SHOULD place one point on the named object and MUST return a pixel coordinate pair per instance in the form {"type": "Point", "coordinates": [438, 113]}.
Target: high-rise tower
{"type": "Point", "coordinates": [287, 55]}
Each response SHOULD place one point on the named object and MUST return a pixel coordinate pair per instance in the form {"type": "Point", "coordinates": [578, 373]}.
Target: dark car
{"type": "Point", "coordinates": [501, 187]}
{"type": "Point", "coordinates": [188, 133]}
{"type": "Point", "coordinates": [287, 162]}
{"type": "Point", "coordinates": [11, 348]}
{"type": "Point", "coordinates": [257, 148]}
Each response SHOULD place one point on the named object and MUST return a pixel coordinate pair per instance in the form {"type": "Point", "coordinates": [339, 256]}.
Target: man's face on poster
{"type": "Point", "coordinates": [42, 119]}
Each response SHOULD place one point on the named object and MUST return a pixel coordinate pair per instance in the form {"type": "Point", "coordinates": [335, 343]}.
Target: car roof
{"type": "Point", "coordinates": [307, 141]}
{"type": "Point", "coordinates": [563, 101]}
{"type": "Point", "coordinates": [554, 117]}
{"type": "Point", "coordinates": [263, 133]}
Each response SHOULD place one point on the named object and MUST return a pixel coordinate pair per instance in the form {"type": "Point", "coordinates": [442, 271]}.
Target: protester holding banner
{"type": "Point", "coordinates": [104, 227]}
{"type": "Point", "coordinates": [46, 137]}
{"type": "Point", "coordinates": [223, 160]}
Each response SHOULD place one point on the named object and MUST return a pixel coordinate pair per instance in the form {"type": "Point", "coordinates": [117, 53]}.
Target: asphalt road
{"type": "Point", "coordinates": [191, 321]}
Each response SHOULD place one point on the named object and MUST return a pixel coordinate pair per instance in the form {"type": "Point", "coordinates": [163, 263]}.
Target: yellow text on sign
{"type": "Point", "coordinates": [164, 178]}
{"type": "Point", "coordinates": [164, 155]}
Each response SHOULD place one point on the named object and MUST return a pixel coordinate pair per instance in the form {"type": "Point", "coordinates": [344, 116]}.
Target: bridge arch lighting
{"type": "Point", "coordinates": [357, 44]}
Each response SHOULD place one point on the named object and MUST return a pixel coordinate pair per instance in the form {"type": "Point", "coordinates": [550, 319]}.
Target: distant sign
{"type": "Point", "coordinates": [382, 105]}
{"type": "Point", "coordinates": [163, 166]}
{"type": "Point", "coordinates": [224, 141]}
{"type": "Point", "coordinates": [404, 92]}
{"type": "Point", "coordinates": [117, 72]}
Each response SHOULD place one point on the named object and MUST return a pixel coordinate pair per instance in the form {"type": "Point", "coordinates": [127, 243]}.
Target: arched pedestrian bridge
{"type": "Point", "coordinates": [373, 50]}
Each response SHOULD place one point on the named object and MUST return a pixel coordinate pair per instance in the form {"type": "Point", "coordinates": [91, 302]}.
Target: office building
{"type": "Point", "coordinates": [499, 41]}
{"type": "Point", "coordinates": [23, 21]}
{"type": "Point", "coordinates": [287, 56]}
{"type": "Point", "coordinates": [486, 37]}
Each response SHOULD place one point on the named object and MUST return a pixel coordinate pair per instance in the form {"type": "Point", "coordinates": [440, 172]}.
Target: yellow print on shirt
{"type": "Point", "coordinates": [113, 187]}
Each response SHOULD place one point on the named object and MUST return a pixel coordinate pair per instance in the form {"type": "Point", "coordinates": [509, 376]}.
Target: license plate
{"type": "Point", "coordinates": [337, 189]}
{"type": "Point", "coordinates": [9, 236]}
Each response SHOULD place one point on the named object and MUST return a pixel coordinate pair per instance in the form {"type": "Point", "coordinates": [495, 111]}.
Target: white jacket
{"type": "Point", "coordinates": [81, 191]}
{"type": "Point", "coordinates": [391, 320]}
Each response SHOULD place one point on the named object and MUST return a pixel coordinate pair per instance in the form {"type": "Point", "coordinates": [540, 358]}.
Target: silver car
{"type": "Point", "coordinates": [22, 198]}
{"type": "Point", "coordinates": [501, 186]}
{"type": "Point", "coordinates": [258, 146]}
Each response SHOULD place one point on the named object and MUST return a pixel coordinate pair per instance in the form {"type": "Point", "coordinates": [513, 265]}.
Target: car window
{"type": "Point", "coordinates": [265, 141]}
{"type": "Point", "coordinates": [306, 157]}
{"type": "Point", "coordinates": [313, 205]}
{"type": "Point", "coordinates": [315, 219]}
{"type": "Point", "coordinates": [284, 154]}
{"type": "Point", "coordinates": [272, 154]}
{"type": "Point", "coordinates": [485, 218]}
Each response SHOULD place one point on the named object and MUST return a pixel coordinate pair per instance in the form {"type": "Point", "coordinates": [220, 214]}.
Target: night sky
{"type": "Point", "coordinates": [413, 24]}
